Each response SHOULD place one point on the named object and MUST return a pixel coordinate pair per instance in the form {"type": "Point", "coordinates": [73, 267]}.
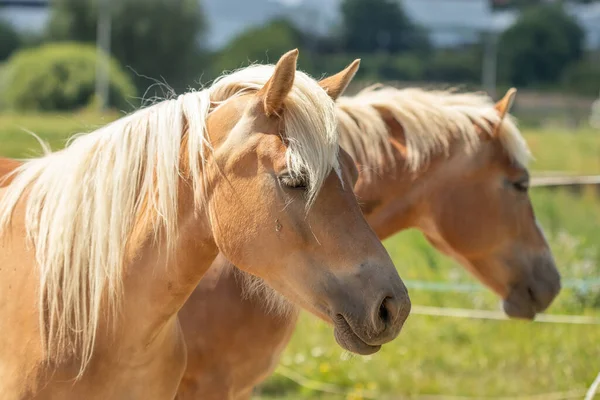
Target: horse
{"type": "Point", "coordinates": [452, 165]}
{"type": "Point", "coordinates": [7, 169]}
{"type": "Point", "coordinates": [103, 241]}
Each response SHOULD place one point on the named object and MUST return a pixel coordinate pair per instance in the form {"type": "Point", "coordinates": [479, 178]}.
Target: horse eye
{"type": "Point", "coordinates": [521, 186]}
{"type": "Point", "coordinates": [293, 182]}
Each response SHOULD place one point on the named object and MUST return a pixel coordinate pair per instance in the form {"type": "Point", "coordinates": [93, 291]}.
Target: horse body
{"type": "Point", "coordinates": [463, 185]}
{"type": "Point", "coordinates": [103, 242]}
{"type": "Point", "coordinates": [140, 355]}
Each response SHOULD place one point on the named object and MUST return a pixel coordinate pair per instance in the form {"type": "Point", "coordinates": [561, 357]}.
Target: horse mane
{"type": "Point", "coordinates": [431, 120]}
{"type": "Point", "coordinates": [84, 203]}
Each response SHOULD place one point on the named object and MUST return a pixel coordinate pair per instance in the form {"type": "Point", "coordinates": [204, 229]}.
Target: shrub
{"type": "Point", "coordinates": [583, 77]}
{"type": "Point", "coordinates": [454, 67]}
{"type": "Point", "coordinates": [328, 64]}
{"type": "Point", "coordinates": [60, 76]}
{"type": "Point", "coordinates": [373, 67]}
{"type": "Point", "coordinates": [265, 43]}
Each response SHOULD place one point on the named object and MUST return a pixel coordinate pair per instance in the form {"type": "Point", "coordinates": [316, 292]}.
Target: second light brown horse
{"type": "Point", "coordinates": [450, 165]}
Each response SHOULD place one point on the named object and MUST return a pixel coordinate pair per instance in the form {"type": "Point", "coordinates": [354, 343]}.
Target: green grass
{"type": "Point", "coordinates": [575, 152]}
{"type": "Point", "coordinates": [439, 355]}
{"type": "Point", "coordinates": [55, 128]}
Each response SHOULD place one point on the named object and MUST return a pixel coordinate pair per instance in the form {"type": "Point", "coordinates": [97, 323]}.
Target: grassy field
{"type": "Point", "coordinates": [53, 128]}
{"type": "Point", "coordinates": [440, 355]}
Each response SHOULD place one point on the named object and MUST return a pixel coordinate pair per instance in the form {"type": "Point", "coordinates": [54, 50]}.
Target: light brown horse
{"type": "Point", "coordinates": [104, 241]}
{"type": "Point", "coordinates": [451, 165]}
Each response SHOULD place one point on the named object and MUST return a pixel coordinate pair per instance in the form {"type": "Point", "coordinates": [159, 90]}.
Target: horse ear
{"type": "Point", "coordinates": [504, 105]}
{"type": "Point", "coordinates": [335, 85]}
{"type": "Point", "coordinates": [280, 84]}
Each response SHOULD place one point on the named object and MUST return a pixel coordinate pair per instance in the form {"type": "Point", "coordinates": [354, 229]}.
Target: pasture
{"type": "Point", "coordinates": [440, 355]}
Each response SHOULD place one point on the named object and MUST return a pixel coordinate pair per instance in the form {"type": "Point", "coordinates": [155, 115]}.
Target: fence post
{"type": "Point", "coordinates": [103, 53]}
{"type": "Point", "coordinates": [490, 57]}
{"type": "Point", "coordinates": [592, 390]}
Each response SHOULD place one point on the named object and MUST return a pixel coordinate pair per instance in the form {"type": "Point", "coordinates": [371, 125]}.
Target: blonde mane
{"type": "Point", "coordinates": [83, 204]}
{"type": "Point", "coordinates": [431, 121]}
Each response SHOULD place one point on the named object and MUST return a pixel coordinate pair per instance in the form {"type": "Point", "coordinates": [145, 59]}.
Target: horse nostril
{"type": "Point", "coordinates": [531, 294]}
{"type": "Point", "coordinates": [384, 312]}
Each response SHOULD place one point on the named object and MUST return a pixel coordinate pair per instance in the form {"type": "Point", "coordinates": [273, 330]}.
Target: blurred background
{"type": "Point", "coordinates": [68, 66]}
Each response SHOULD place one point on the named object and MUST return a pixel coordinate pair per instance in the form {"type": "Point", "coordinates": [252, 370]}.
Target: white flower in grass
{"type": "Point", "coordinates": [299, 358]}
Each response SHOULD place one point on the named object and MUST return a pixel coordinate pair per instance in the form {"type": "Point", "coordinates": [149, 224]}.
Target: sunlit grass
{"type": "Point", "coordinates": [55, 128]}
{"type": "Point", "coordinates": [575, 152]}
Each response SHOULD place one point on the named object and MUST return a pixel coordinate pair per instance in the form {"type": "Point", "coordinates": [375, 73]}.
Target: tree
{"type": "Point", "coordinates": [540, 45]}
{"type": "Point", "coordinates": [373, 25]}
{"type": "Point", "coordinates": [9, 40]}
{"type": "Point", "coordinates": [583, 77]}
{"type": "Point", "coordinates": [156, 38]}
{"type": "Point", "coordinates": [511, 4]}
{"type": "Point", "coordinates": [264, 43]}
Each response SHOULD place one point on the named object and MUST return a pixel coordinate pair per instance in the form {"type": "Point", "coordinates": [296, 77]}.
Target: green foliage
{"type": "Point", "coordinates": [158, 39]}
{"type": "Point", "coordinates": [54, 127]}
{"type": "Point", "coordinates": [374, 25]}
{"type": "Point", "coordinates": [59, 77]}
{"type": "Point", "coordinates": [9, 40]}
{"type": "Point", "coordinates": [405, 67]}
{"type": "Point", "coordinates": [540, 46]}
{"type": "Point", "coordinates": [328, 64]}
{"type": "Point", "coordinates": [454, 67]}
{"type": "Point", "coordinates": [509, 4]}
{"type": "Point", "coordinates": [2, 88]}
{"type": "Point", "coordinates": [264, 43]}
{"type": "Point", "coordinates": [459, 66]}
{"type": "Point", "coordinates": [32, 39]}
{"type": "Point", "coordinates": [583, 77]}
{"type": "Point", "coordinates": [387, 67]}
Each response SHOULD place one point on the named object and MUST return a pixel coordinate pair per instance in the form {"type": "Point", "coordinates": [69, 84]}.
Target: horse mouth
{"type": "Point", "coordinates": [349, 340]}
{"type": "Point", "coordinates": [525, 303]}
{"type": "Point", "coordinates": [518, 308]}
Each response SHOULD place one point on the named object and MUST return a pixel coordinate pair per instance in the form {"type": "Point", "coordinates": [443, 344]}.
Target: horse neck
{"type": "Point", "coordinates": [159, 281]}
